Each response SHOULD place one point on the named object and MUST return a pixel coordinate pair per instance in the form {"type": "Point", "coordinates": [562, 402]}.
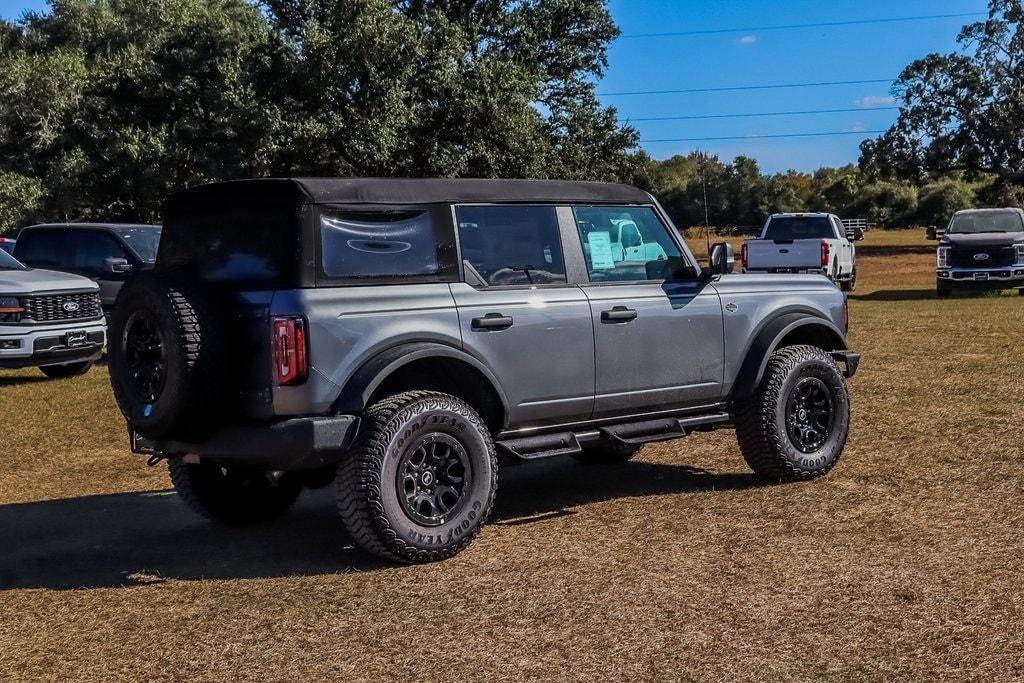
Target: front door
{"type": "Point", "coordinates": [658, 344]}
{"type": "Point", "coordinates": [519, 315]}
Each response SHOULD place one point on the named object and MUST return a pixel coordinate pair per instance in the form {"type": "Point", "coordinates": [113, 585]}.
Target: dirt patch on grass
{"type": "Point", "coordinates": [905, 562]}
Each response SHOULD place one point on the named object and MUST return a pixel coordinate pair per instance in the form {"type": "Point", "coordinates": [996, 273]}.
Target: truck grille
{"type": "Point", "coordinates": [998, 257]}
{"type": "Point", "coordinates": [60, 307]}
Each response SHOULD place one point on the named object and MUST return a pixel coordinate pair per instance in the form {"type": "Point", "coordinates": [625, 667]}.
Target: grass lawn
{"type": "Point", "coordinates": [906, 562]}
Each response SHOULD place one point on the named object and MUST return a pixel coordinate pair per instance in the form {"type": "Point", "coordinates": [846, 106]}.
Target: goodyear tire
{"type": "Point", "coordinates": [66, 370]}
{"type": "Point", "coordinates": [167, 356]}
{"type": "Point", "coordinates": [233, 495]}
{"type": "Point", "coordinates": [795, 425]}
{"type": "Point", "coordinates": [420, 481]}
{"type": "Point", "coordinates": [607, 453]}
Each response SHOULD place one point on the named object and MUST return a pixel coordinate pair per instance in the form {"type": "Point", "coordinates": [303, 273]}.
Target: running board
{"type": "Point", "coordinates": [664, 429]}
{"type": "Point", "coordinates": [633, 433]}
{"type": "Point", "coordinates": [541, 446]}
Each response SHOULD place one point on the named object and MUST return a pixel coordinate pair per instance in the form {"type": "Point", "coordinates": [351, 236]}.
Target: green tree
{"type": "Point", "coordinates": [19, 198]}
{"type": "Point", "coordinates": [962, 111]}
{"type": "Point", "coordinates": [111, 104]}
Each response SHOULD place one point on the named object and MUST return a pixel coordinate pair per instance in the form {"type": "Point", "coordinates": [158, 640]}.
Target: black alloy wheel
{"type": "Point", "coordinates": [433, 476]}
{"type": "Point", "coordinates": [809, 414]}
{"type": "Point", "coordinates": [145, 356]}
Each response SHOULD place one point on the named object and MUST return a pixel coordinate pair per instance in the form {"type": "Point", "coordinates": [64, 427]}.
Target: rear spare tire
{"type": "Point", "coordinates": [167, 356]}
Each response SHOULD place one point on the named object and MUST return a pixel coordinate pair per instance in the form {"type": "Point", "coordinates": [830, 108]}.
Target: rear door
{"type": "Point", "coordinates": [658, 344]}
{"type": "Point", "coordinates": [519, 315]}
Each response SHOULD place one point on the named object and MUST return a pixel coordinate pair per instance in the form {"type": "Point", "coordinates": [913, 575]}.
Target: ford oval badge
{"type": "Point", "coordinates": [71, 306]}
{"type": "Point", "coordinates": [981, 257]}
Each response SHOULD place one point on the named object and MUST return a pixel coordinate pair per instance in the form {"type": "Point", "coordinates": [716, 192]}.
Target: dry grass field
{"type": "Point", "coordinates": [906, 562]}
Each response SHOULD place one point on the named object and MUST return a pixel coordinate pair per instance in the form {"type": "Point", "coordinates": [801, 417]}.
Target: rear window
{"type": "Point", "coordinates": [389, 244]}
{"type": "Point", "coordinates": [799, 228]}
{"type": "Point", "coordinates": [252, 245]}
{"type": "Point", "coordinates": [41, 247]}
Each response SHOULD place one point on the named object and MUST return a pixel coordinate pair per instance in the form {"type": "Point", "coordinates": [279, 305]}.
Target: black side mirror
{"type": "Point", "coordinates": [932, 233]}
{"type": "Point", "coordinates": [721, 259]}
{"type": "Point", "coordinates": [118, 266]}
{"type": "Point", "coordinates": [671, 268]}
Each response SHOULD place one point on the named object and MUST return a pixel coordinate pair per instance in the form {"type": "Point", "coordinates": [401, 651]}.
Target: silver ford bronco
{"type": "Point", "coordinates": [396, 337]}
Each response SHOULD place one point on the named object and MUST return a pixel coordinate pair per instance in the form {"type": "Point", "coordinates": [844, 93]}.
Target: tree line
{"type": "Point", "coordinates": [696, 188]}
{"type": "Point", "coordinates": [106, 106]}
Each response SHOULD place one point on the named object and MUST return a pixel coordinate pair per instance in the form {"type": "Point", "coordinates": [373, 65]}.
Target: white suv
{"type": "Point", "coordinates": [48, 320]}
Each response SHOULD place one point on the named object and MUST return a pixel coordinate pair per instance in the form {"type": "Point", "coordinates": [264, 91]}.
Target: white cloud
{"type": "Point", "coordinates": [858, 128]}
{"type": "Point", "coordinates": [748, 40]}
{"type": "Point", "coordinates": [876, 101]}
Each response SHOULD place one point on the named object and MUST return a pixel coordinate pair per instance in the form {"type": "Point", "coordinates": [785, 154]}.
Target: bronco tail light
{"type": "Point", "coordinates": [289, 342]}
{"type": "Point", "coordinates": [826, 252]}
{"type": "Point", "coordinates": [743, 256]}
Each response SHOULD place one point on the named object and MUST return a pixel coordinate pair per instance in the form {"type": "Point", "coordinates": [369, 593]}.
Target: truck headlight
{"type": "Point", "coordinates": [942, 257]}
{"type": "Point", "coordinates": [10, 309]}
{"type": "Point", "coordinates": [1019, 248]}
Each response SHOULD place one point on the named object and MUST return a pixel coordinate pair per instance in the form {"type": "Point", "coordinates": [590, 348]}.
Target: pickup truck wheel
{"type": "Point", "coordinates": [168, 356]}
{"type": "Point", "coordinates": [795, 425]}
{"type": "Point", "coordinates": [67, 370]}
{"type": "Point", "coordinates": [851, 284]}
{"type": "Point", "coordinates": [607, 453]}
{"type": "Point", "coordinates": [233, 495]}
{"type": "Point", "coordinates": [420, 481]}
{"type": "Point", "coordinates": [942, 290]}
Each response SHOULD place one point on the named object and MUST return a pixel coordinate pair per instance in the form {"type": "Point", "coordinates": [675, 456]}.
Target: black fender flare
{"type": "Point", "coordinates": [356, 393]}
{"type": "Point", "coordinates": [767, 340]}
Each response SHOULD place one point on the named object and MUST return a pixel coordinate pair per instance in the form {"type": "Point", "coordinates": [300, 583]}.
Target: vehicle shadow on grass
{"type": "Point", "coordinates": [16, 380]}
{"type": "Point", "coordinates": [135, 539]}
{"type": "Point", "coordinates": [896, 295]}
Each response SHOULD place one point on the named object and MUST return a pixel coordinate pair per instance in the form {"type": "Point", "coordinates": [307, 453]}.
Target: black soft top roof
{"type": "Point", "coordinates": [406, 191]}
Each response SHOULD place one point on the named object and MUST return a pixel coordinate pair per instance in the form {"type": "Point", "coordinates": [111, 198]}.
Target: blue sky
{"type": "Point", "coordinates": [758, 57]}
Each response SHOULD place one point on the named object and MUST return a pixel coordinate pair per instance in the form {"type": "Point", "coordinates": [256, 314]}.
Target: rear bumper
{"type": "Point", "coordinates": [50, 345]}
{"type": "Point", "coordinates": [300, 443]}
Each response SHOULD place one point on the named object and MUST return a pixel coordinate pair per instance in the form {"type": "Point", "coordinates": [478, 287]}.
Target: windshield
{"type": "Point", "coordinates": [988, 221]}
{"type": "Point", "coordinates": [143, 241]}
{"type": "Point", "coordinates": [8, 262]}
{"type": "Point", "coordinates": [785, 228]}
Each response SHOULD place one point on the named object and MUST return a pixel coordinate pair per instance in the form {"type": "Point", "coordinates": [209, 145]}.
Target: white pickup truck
{"type": "Point", "coordinates": [805, 243]}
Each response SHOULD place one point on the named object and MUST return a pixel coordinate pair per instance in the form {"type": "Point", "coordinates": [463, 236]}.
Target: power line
{"type": "Point", "coordinates": [757, 114]}
{"type": "Point", "coordinates": [787, 27]}
{"type": "Point", "coordinates": [737, 88]}
{"type": "Point", "coordinates": [757, 137]}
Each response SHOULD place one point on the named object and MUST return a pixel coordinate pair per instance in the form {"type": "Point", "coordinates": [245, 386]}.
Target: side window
{"type": "Point", "coordinates": [619, 241]}
{"type": "Point", "coordinates": [386, 244]}
{"type": "Point", "coordinates": [511, 245]}
{"type": "Point", "coordinates": [41, 248]}
{"type": "Point", "coordinates": [90, 250]}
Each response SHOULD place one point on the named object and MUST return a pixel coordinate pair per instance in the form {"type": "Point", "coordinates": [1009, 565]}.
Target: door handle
{"type": "Point", "coordinates": [492, 321]}
{"type": "Point", "coordinates": [619, 314]}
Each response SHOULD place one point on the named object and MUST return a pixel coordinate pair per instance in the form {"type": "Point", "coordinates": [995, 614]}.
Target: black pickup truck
{"type": "Point", "coordinates": [981, 250]}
